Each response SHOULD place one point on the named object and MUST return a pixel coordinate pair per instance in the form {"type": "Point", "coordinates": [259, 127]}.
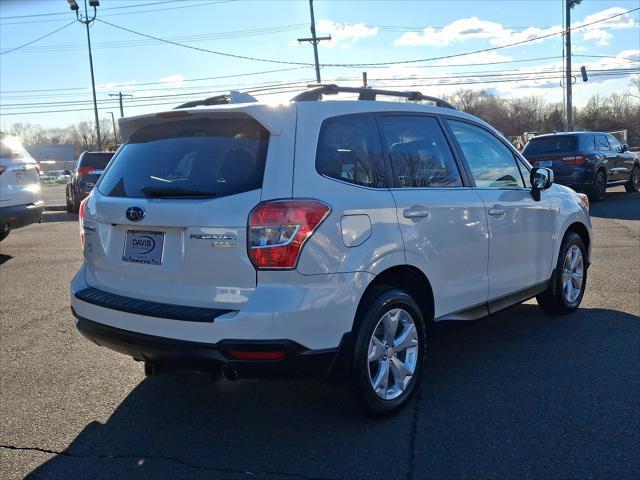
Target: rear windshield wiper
{"type": "Point", "coordinates": [166, 192]}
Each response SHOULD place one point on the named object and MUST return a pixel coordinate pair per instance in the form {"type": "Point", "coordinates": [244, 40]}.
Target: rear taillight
{"type": "Point", "coordinates": [278, 230]}
{"type": "Point", "coordinates": [85, 170]}
{"type": "Point", "coordinates": [2, 169]}
{"type": "Point", "coordinates": [81, 212]}
{"type": "Point", "coordinates": [575, 160]}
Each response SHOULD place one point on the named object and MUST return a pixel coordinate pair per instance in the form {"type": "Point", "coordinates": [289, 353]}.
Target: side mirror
{"type": "Point", "coordinates": [541, 179]}
{"type": "Point", "coordinates": [625, 147]}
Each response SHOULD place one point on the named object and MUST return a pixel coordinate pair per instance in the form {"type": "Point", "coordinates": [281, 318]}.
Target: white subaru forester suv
{"type": "Point", "coordinates": [318, 237]}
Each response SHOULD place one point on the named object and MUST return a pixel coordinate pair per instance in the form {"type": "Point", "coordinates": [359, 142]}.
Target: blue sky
{"type": "Point", "coordinates": [56, 68]}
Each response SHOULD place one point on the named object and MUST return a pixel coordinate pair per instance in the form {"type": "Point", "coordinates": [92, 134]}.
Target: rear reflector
{"type": "Point", "coordinates": [243, 355]}
{"type": "Point", "coordinates": [278, 230]}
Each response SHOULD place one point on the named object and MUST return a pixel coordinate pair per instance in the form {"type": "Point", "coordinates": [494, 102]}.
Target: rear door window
{"type": "Point", "coordinates": [190, 159]}
{"type": "Point", "coordinates": [349, 150]}
{"type": "Point", "coordinates": [419, 152]}
{"type": "Point", "coordinates": [601, 142]}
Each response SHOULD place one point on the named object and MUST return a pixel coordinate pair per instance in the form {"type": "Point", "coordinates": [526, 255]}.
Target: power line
{"type": "Point", "coordinates": [38, 39]}
{"type": "Point", "coordinates": [373, 64]}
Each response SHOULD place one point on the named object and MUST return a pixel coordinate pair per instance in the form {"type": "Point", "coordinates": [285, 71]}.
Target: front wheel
{"type": "Point", "coordinates": [633, 185]}
{"type": "Point", "coordinates": [388, 353]}
{"type": "Point", "coordinates": [570, 277]}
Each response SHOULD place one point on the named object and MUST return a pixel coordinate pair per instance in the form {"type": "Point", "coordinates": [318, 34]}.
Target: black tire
{"type": "Point", "coordinates": [4, 231]}
{"type": "Point", "coordinates": [381, 302]}
{"type": "Point", "coordinates": [599, 189]}
{"type": "Point", "coordinates": [69, 203]}
{"type": "Point", "coordinates": [633, 185]}
{"type": "Point", "coordinates": [75, 207]}
{"type": "Point", "coordinates": [555, 300]}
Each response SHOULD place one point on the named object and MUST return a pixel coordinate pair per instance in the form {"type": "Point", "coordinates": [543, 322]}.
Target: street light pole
{"type": "Point", "coordinates": [73, 5]}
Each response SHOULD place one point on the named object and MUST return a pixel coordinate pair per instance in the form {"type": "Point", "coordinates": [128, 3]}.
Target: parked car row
{"type": "Point", "coordinates": [86, 173]}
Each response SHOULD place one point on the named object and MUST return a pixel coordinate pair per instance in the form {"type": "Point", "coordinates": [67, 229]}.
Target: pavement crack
{"type": "Point", "coordinates": [179, 461]}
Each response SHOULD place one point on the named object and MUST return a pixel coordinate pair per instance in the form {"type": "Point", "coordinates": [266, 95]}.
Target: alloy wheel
{"type": "Point", "coordinates": [572, 274]}
{"type": "Point", "coordinates": [393, 354]}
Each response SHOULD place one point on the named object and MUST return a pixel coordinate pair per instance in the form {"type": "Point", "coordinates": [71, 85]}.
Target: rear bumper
{"type": "Point", "coordinates": [21, 215]}
{"type": "Point", "coordinates": [171, 355]}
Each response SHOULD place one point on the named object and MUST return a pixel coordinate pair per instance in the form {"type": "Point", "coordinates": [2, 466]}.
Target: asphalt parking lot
{"type": "Point", "coordinates": [518, 395]}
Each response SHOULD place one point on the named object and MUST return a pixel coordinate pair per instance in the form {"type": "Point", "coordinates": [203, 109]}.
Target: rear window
{"type": "Point", "coordinates": [556, 144]}
{"type": "Point", "coordinates": [190, 159]}
{"type": "Point", "coordinates": [95, 160]}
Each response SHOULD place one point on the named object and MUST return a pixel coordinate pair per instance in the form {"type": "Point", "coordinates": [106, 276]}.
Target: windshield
{"type": "Point", "coordinates": [189, 159]}
{"type": "Point", "coordinates": [556, 144]}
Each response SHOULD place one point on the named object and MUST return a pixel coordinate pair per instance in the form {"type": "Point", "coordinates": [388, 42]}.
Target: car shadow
{"type": "Point", "coordinates": [620, 205]}
{"type": "Point", "coordinates": [190, 427]}
{"type": "Point", "coordinates": [4, 258]}
{"type": "Point", "coordinates": [54, 216]}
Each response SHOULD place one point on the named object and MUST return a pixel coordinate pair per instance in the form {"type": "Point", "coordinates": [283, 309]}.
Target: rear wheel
{"type": "Point", "coordinates": [633, 185]}
{"type": "Point", "coordinates": [69, 202]}
{"type": "Point", "coordinates": [599, 188]}
{"type": "Point", "coordinates": [570, 277]}
{"type": "Point", "coordinates": [388, 353]}
{"type": "Point", "coordinates": [4, 231]}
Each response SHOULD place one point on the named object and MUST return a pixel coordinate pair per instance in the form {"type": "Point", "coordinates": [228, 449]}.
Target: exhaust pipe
{"type": "Point", "coordinates": [229, 373]}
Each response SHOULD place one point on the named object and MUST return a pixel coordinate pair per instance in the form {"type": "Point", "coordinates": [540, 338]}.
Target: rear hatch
{"type": "Point", "coordinates": [558, 152]}
{"type": "Point", "coordinates": [90, 167]}
{"type": "Point", "coordinates": [167, 221]}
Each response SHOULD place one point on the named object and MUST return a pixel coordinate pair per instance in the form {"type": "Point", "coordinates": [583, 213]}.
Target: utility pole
{"type": "Point", "coordinates": [73, 5]}
{"type": "Point", "coordinates": [314, 40]}
{"type": "Point", "coordinates": [568, 77]}
{"type": "Point", "coordinates": [120, 95]}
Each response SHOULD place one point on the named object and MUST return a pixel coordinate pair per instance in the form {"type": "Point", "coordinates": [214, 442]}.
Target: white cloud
{"type": "Point", "coordinates": [474, 28]}
{"type": "Point", "coordinates": [344, 35]}
{"type": "Point", "coordinates": [173, 80]}
{"type": "Point", "coordinates": [480, 58]}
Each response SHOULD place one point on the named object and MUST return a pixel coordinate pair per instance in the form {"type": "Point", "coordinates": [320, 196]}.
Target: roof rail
{"type": "Point", "coordinates": [316, 91]}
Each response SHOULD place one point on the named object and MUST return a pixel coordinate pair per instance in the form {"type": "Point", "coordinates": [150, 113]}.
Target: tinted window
{"type": "Point", "coordinates": [601, 142]}
{"type": "Point", "coordinates": [615, 144]}
{"type": "Point", "coordinates": [189, 158]}
{"type": "Point", "coordinates": [491, 162]}
{"type": "Point", "coordinates": [349, 150]}
{"type": "Point", "coordinates": [95, 160]}
{"type": "Point", "coordinates": [420, 155]}
{"type": "Point", "coordinates": [555, 144]}
{"type": "Point", "coordinates": [589, 142]}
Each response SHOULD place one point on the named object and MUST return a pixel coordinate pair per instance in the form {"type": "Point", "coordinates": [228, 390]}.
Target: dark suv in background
{"type": "Point", "coordinates": [585, 161]}
{"type": "Point", "coordinates": [86, 173]}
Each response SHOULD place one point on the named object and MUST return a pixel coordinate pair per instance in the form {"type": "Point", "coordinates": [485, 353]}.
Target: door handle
{"type": "Point", "coordinates": [415, 212]}
{"type": "Point", "coordinates": [496, 212]}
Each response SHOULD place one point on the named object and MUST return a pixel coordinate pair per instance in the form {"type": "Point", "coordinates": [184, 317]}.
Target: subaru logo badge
{"type": "Point", "coordinates": [135, 214]}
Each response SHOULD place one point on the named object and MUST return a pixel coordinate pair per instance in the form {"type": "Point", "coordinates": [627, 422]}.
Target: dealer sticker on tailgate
{"type": "Point", "coordinates": [143, 247]}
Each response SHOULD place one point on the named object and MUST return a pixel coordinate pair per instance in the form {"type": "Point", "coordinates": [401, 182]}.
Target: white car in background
{"type": "Point", "coordinates": [21, 201]}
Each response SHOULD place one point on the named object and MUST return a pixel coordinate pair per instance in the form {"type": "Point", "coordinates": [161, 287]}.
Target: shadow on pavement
{"type": "Point", "coordinates": [620, 205]}
{"type": "Point", "coordinates": [490, 376]}
{"type": "Point", "coordinates": [4, 258]}
{"type": "Point", "coordinates": [54, 216]}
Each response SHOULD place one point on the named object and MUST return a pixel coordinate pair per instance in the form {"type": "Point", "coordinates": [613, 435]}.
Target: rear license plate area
{"type": "Point", "coordinates": [545, 163]}
{"type": "Point", "coordinates": [142, 246]}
